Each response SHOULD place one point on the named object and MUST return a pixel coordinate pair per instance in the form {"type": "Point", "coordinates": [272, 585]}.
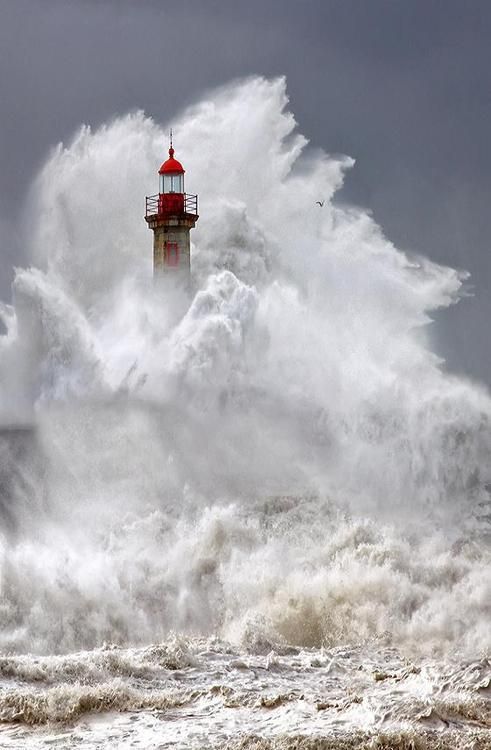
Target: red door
{"type": "Point", "coordinates": [171, 254]}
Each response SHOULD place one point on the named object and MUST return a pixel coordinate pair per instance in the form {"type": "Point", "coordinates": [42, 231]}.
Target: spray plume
{"type": "Point", "coordinates": [279, 456]}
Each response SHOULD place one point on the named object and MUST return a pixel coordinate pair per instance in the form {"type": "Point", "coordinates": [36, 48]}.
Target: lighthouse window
{"type": "Point", "coordinates": [171, 183]}
{"type": "Point", "coordinates": [177, 183]}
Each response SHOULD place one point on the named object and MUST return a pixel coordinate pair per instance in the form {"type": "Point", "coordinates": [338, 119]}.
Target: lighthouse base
{"type": "Point", "coordinates": [171, 243]}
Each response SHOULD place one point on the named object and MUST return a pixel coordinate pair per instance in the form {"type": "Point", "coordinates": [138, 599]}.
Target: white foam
{"type": "Point", "coordinates": [278, 458]}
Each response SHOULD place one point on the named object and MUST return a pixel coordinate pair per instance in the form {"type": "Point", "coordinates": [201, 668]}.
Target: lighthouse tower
{"type": "Point", "coordinates": [170, 215]}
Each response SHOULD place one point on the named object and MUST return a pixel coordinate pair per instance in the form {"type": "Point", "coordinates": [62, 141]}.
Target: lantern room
{"type": "Point", "coordinates": [171, 185]}
{"type": "Point", "coordinates": [171, 175]}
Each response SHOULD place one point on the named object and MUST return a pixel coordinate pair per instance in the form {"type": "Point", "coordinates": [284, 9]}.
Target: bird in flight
{"type": "Point", "coordinates": [321, 203]}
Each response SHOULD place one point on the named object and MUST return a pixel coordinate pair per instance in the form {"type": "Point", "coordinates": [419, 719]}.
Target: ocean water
{"type": "Point", "coordinates": [254, 513]}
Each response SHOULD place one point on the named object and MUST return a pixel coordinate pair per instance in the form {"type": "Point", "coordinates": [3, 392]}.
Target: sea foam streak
{"type": "Point", "coordinates": [276, 459]}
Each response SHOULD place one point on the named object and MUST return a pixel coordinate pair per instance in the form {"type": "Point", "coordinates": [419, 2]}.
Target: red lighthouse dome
{"type": "Point", "coordinates": [171, 166]}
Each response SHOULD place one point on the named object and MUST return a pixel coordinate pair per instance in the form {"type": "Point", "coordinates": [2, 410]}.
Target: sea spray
{"type": "Point", "coordinates": [277, 458]}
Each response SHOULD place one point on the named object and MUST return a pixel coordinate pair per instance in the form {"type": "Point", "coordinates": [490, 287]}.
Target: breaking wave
{"type": "Point", "coordinates": [277, 458]}
{"type": "Point", "coordinates": [403, 740]}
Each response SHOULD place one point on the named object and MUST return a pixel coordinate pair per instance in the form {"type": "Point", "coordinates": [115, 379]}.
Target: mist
{"type": "Point", "coordinates": [276, 456]}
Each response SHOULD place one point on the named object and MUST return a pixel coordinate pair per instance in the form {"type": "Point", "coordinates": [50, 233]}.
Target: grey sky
{"type": "Point", "coordinates": [404, 86]}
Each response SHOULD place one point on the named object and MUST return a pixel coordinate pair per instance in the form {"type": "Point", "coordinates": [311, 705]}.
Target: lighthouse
{"type": "Point", "coordinates": [171, 214]}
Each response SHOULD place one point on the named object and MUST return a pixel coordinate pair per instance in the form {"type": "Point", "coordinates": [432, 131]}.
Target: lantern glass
{"type": "Point", "coordinates": [172, 183]}
{"type": "Point", "coordinates": [177, 183]}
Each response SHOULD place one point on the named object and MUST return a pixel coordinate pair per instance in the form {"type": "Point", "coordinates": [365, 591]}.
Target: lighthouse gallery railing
{"type": "Point", "coordinates": [153, 204]}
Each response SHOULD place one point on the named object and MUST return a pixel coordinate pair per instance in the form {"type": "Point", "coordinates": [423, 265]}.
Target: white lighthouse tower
{"type": "Point", "coordinates": [171, 214]}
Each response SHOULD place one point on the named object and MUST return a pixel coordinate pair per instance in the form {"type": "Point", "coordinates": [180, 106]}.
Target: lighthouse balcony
{"type": "Point", "coordinates": [171, 204]}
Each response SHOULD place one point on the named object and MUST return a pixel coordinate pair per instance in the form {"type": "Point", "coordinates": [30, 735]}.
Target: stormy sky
{"type": "Point", "coordinates": [404, 86]}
